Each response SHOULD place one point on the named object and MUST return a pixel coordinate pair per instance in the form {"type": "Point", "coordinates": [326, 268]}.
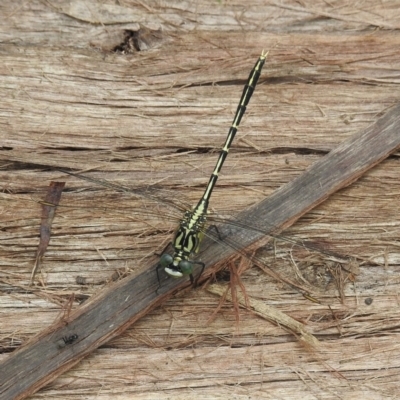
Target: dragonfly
{"type": "Point", "coordinates": [191, 228]}
{"type": "Point", "coordinates": [189, 234]}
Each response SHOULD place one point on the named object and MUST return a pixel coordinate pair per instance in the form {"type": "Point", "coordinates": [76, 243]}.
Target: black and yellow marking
{"type": "Point", "coordinates": [189, 233]}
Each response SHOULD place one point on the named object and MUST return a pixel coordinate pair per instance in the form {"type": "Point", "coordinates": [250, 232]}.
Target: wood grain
{"type": "Point", "coordinates": [157, 117]}
{"type": "Point", "coordinates": [118, 306]}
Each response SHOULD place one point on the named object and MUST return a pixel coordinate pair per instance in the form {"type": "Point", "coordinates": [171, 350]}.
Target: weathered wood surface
{"type": "Point", "coordinates": [158, 117]}
{"type": "Point", "coordinates": [120, 305]}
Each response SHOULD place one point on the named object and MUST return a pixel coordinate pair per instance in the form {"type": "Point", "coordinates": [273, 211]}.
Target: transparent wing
{"type": "Point", "coordinates": [153, 207]}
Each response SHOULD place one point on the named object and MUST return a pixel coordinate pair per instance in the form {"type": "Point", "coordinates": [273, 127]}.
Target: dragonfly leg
{"type": "Point", "coordinates": [158, 277]}
{"type": "Point", "coordinates": [160, 266]}
{"type": "Point", "coordinates": [192, 281]}
{"type": "Point", "coordinates": [215, 227]}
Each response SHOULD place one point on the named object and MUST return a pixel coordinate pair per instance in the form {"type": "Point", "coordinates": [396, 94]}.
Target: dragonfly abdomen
{"type": "Point", "coordinates": [190, 231]}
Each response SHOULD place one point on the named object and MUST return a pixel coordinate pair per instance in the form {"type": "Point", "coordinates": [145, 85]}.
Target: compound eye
{"type": "Point", "coordinates": [166, 260]}
{"type": "Point", "coordinates": [186, 267]}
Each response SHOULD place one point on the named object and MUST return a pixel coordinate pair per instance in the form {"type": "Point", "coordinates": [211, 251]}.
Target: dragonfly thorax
{"type": "Point", "coordinates": [186, 242]}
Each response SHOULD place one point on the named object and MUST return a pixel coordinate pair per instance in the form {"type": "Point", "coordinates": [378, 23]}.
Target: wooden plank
{"type": "Point", "coordinates": [158, 116]}
{"type": "Point", "coordinates": [110, 313]}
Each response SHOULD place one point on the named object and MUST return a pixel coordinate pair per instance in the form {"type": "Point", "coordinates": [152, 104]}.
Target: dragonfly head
{"type": "Point", "coordinates": [176, 268]}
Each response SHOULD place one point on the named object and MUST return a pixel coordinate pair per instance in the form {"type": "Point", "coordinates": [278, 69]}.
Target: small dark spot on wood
{"type": "Point", "coordinates": [368, 301]}
{"type": "Point", "coordinates": [81, 280]}
{"type": "Point", "coordinates": [66, 340]}
{"type": "Point", "coordinates": [141, 40]}
{"type": "Point", "coordinates": [223, 275]}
